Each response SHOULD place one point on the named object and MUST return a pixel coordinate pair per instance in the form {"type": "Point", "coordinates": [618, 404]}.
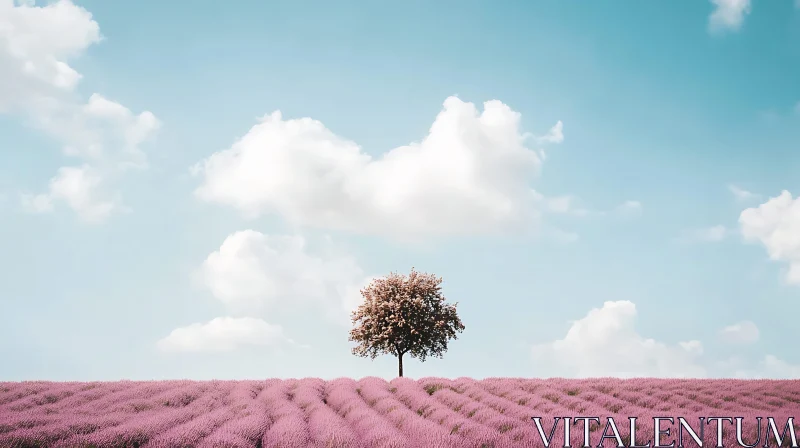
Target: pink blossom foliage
{"type": "Point", "coordinates": [375, 413]}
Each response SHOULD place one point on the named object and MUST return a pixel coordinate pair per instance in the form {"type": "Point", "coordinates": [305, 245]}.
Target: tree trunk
{"type": "Point", "coordinates": [400, 361]}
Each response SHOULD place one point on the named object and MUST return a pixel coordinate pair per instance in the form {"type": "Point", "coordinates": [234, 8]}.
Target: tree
{"type": "Point", "coordinates": [404, 315]}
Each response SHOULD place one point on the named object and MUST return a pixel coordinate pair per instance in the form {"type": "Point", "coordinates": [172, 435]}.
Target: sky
{"type": "Point", "coordinates": [605, 188]}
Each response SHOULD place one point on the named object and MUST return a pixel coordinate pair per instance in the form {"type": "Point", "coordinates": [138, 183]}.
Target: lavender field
{"type": "Point", "coordinates": [347, 413]}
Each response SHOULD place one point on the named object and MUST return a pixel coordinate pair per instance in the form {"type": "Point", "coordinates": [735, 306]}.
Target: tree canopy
{"type": "Point", "coordinates": [404, 315]}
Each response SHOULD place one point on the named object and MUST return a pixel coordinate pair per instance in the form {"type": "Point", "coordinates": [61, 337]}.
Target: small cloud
{"type": "Point", "coordinates": [81, 189]}
{"type": "Point", "coordinates": [554, 135]}
{"type": "Point", "coordinates": [39, 203]}
{"type": "Point", "coordinates": [605, 342]}
{"type": "Point", "coordinates": [223, 334]}
{"type": "Point", "coordinates": [713, 234]}
{"type": "Point", "coordinates": [630, 208]}
{"type": "Point", "coordinates": [744, 332]}
{"type": "Point", "coordinates": [693, 347]}
{"type": "Point", "coordinates": [559, 204]}
{"type": "Point", "coordinates": [568, 205]}
{"type": "Point", "coordinates": [728, 15]}
{"type": "Point", "coordinates": [742, 194]}
{"type": "Point", "coordinates": [770, 367]}
{"type": "Point", "coordinates": [776, 225]}
{"type": "Point", "coordinates": [564, 237]}
{"type": "Point", "coordinates": [564, 205]}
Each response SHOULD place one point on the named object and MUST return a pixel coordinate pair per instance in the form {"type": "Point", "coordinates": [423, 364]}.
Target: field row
{"type": "Point", "coordinates": [374, 413]}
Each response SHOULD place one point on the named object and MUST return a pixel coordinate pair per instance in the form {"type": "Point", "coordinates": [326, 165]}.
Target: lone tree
{"type": "Point", "coordinates": [404, 314]}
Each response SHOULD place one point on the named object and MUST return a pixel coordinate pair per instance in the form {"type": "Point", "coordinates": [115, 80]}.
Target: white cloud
{"type": "Point", "coordinates": [728, 15]}
{"type": "Point", "coordinates": [606, 343]}
{"type": "Point", "coordinates": [692, 347]}
{"type": "Point", "coordinates": [774, 367]}
{"type": "Point", "coordinates": [561, 236]}
{"type": "Point", "coordinates": [563, 205]}
{"type": "Point", "coordinates": [40, 203]}
{"type": "Point", "coordinates": [630, 208]}
{"type": "Point", "coordinates": [469, 175]}
{"type": "Point", "coordinates": [100, 130]}
{"type": "Point", "coordinates": [37, 44]}
{"type": "Point", "coordinates": [223, 334]}
{"type": "Point", "coordinates": [742, 194]}
{"type": "Point", "coordinates": [252, 271]}
{"type": "Point", "coordinates": [80, 188]}
{"type": "Point", "coordinates": [554, 135]}
{"type": "Point", "coordinates": [713, 234]}
{"type": "Point", "coordinates": [744, 332]}
{"type": "Point", "coordinates": [776, 225]}
{"type": "Point", "coordinates": [769, 367]}
{"type": "Point", "coordinates": [569, 205]}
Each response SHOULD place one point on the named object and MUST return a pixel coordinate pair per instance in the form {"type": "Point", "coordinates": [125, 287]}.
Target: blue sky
{"type": "Point", "coordinates": [607, 188]}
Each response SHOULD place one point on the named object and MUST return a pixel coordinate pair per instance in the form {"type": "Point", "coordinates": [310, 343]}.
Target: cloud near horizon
{"type": "Point", "coordinates": [605, 343]}
{"type": "Point", "coordinates": [744, 332]}
{"type": "Point", "coordinates": [224, 334]}
{"type": "Point", "coordinates": [254, 273]}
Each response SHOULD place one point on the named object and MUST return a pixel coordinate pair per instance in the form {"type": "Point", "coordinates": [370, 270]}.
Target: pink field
{"type": "Point", "coordinates": [374, 413]}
